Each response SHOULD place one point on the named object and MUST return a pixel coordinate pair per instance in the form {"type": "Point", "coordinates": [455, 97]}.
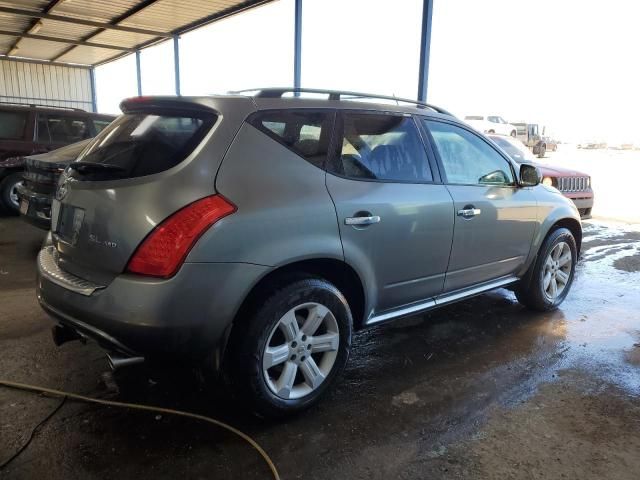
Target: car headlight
{"type": "Point", "coordinates": [548, 181]}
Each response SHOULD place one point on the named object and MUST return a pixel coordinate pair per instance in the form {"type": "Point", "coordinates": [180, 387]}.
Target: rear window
{"type": "Point", "coordinates": [138, 144]}
{"type": "Point", "coordinates": [12, 125]}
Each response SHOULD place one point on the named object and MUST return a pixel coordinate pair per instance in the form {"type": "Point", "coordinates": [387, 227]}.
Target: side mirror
{"type": "Point", "coordinates": [530, 175]}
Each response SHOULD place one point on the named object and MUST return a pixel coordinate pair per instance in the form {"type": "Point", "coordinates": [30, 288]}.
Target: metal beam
{"type": "Point", "coordinates": [48, 38]}
{"type": "Point", "coordinates": [425, 48]}
{"type": "Point", "coordinates": [297, 45]}
{"type": "Point", "coordinates": [46, 9]}
{"type": "Point", "coordinates": [94, 96]}
{"type": "Point", "coordinates": [115, 21]}
{"type": "Point", "coordinates": [138, 73]}
{"type": "Point", "coordinates": [176, 62]}
{"type": "Point", "coordinates": [82, 21]}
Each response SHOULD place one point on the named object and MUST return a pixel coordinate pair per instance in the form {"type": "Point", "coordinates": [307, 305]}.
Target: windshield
{"type": "Point", "coordinates": [514, 148]}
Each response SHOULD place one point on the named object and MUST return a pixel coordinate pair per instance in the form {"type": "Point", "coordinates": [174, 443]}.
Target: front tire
{"type": "Point", "coordinates": [513, 133]}
{"type": "Point", "coordinates": [290, 347]}
{"type": "Point", "coordinates": [552, 273]}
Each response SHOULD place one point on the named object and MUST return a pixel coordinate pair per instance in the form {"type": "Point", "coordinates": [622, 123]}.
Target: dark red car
{"type": "Point", "coordinates": [573, 184]}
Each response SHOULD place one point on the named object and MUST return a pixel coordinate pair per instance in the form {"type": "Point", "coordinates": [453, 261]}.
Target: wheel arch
{"type": "Point", "coordinates": [338, 272]}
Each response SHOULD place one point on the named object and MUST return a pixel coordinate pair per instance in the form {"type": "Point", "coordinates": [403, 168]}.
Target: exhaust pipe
{"type": "Point", "coordinates": [118, 361]}
{"type": "Point", "coordinates": [62, 334]}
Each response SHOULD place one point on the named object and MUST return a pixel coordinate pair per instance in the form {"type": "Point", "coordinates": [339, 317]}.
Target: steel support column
{"type": "Point", "coordinates": [297, 45]}
{"type": "Point", "coordinates": [425, 47]}
{"type": "Point", "coordinates": [94, 98]}
{"type": "Point", "coordinates": [138, 73]}
{"type": "Point", "coordinates": [176, 62]}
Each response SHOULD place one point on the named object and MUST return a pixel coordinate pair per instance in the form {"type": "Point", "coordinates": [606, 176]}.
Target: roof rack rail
{"type": "Point", "coordinates": [39, 105]}
{"type": "Point", "coordinates": [336, 95]}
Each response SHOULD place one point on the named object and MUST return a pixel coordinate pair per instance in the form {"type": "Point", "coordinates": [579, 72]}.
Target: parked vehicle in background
{"type": "Point", "coordinates": [32, 129]}
{"type": "Point", "coordinates": [592, 146]}
{"type": "Point", "coordinates": [573, 184]}
{"type": "Point", "coordinates": [491, 124]}
{"type": "Point", "coordinates": [254, 233]}
{"type": "Point", "coordinates": [532, 135]}
{"type": "Point", "coordinates": [41, 174]}
{"type": "Point", "coordinates": [550, 144]}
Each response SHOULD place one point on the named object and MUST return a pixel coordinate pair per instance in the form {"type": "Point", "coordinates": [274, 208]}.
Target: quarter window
{"type": "Point", "coordinates": [381, 147]}
{"type": "Point", "coordinates": [467, 159]}
{"type": "Point", "coordinates": [305, 132]}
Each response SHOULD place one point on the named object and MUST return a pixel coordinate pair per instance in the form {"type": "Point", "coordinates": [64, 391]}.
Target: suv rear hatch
{"type": "Point", "coordinates": [159, 156]}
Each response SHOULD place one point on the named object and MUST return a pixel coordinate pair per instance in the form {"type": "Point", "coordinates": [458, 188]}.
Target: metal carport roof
{"type": "Point", "coordinates": [90, 32]}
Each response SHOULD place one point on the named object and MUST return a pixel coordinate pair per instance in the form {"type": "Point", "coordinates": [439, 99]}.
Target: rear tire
{"type": "Point", "coordinates": [551, 275]}
{"type": "Point", "coordinates": [9, 201]}
{"type": "Point", "coordinates": [290, 347]}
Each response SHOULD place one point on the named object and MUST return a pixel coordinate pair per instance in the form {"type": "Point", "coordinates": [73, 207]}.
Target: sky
{"type": "Point", "coordinates": [570, 65]}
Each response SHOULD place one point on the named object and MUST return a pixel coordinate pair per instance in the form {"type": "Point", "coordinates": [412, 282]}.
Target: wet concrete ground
{"type": "Point", "coordinates": [481, 389]}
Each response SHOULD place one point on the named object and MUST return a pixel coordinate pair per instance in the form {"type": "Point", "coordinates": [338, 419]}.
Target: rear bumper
{"type": "Point", "coordinates": [39, 211]}
{"type": "Point", "coordinates": [187, 315]}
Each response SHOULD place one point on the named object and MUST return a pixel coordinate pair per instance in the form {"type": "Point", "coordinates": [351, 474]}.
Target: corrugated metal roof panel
{"type": "Point", "coordinates": [170, 15]}
{"type": "Point", "coordinates": [53, 28]}
{"type": "Point", "coordinates": [103, 11]}
{"type": "Point", "coordinates": [122, 39]}
{"type": "Point", "coordinates": [38, 49]}
{"type": "Point", "coordinates": [158, 15]}
{"type": "Point", "coordinates": [88, 55]}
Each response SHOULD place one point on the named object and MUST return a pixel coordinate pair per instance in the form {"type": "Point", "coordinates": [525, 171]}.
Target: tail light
{"type": "Point", "coordinates": [163, 251]}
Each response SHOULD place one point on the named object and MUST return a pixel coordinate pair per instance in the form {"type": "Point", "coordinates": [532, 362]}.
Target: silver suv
{"type": "Point", "coordinates": [253, 233]}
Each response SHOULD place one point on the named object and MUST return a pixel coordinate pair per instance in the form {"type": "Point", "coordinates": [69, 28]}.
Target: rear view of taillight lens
{"type": "Point", "coordinates": [163, 251]}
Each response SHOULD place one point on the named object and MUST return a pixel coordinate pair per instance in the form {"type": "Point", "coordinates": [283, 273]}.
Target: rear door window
{"type": "Point", "coordinates": [384, 147]}
{"type": "Point", "coordinates": [140, 143]}
{"type": "Point", "coordinates": [305, 132]}
{"type": "Point", "coordinates": [12, 124]}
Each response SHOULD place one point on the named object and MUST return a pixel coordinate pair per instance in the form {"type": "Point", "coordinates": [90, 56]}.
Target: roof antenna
{"type": "Point", "coordinates": [394, 97]}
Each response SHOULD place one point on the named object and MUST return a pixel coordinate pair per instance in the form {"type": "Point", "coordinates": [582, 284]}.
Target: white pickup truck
{"type": "Point", "coordinates": [491, 124]}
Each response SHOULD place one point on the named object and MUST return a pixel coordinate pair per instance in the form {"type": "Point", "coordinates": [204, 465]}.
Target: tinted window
{"type": "Point", "coordinates": [12, 124]}
{"type": "Point", "coordinates": [381, 147]}
{"type": "Point", "coordinates": [137, 144]}
{"type": "Point", "coordinates": [305, 132]}
{"type": "Point", "coordinates": [467, 158]}
{"type": "Point", "coordinates": [62, 129]}
{"type": "Point", "coordinates": [100, 124]}
{"type": "Point", "coordinates": [494, 119]}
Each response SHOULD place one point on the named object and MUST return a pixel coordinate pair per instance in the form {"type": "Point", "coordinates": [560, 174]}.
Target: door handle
{"type": "Point", "coordinates": [360, 221]}
{"type": "Point", "coordinates": [469, 212]}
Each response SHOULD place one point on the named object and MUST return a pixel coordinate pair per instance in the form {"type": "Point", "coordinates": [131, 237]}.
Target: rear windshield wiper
{"type": "Point", "coordinates": [80, 166]}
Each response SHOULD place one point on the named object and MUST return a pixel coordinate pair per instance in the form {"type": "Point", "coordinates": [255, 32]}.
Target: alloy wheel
{"type": "Point", "coordinates": [557, 271]}
{"type": "Point", "coordinates": [301, 351]}
{"type": "Point", "coordinates": [13, 195]}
